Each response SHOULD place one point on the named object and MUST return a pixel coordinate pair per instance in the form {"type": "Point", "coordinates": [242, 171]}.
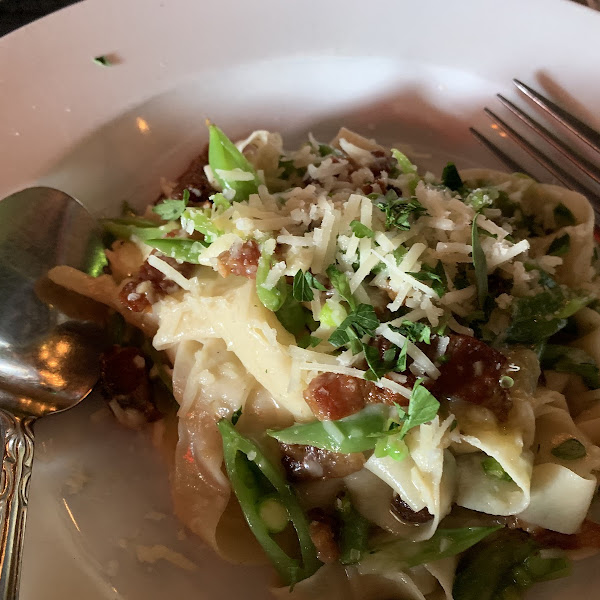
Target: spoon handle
{"type": "Point", "coordinates": [16, 473]}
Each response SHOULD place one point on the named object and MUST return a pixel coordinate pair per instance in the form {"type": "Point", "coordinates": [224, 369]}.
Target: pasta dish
{"type": "Point", "coordinates": [386, 381]}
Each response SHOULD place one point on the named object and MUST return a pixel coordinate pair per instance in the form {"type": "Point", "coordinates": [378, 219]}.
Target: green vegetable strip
{"type": "Point", "coordinates": [224, 156]}
{"type": "Point", "coordinates": [181, 249]}
{"type": "Point", "coordinates": [494, 469]}
{"type": "Point", "coordinates": [202, 223]}
{"type": "Point", "coordinates": [401, 554]}
{"type": "Point", "coordinates": [341, 284]}
{"type": "Point", "coordinates": [355, 433]}
{"type": "Point", "coordinates": [503, 566]}
{"type": "Point", "coordinates": [536, 318]}
{"type": "Point", "coordinates": [143, 229]}
{"type": "Point", "coordinates": [366, 429]}
{"type": "Point", "coordinates": [480, 264]}
{"type": "Point", "coordinates": [403, 161]}
{"type": "Point", "coordinates": [565, 359]}
{"type": "Point", "coordinates": [273, 298]}
{"type": "Point", "coordinates": [240, 454]}
{"type": "Point", "coordinates": [273, 513]}
{"type": "Point", "coordinates": [354, 532]}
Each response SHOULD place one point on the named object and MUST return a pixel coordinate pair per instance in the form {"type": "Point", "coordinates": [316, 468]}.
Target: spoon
{"type": "Point", "coordinates": [49, 351]}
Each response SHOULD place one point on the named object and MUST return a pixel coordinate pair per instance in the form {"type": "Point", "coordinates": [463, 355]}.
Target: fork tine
{"type": "Point", "coordinates": [584, 132]}
{"type": "Point", "coordinates": [564, 177]}
{"type": "Point", "coordinates": [585, 165]}
{"type": "Point", "coordinates": [512, 165]}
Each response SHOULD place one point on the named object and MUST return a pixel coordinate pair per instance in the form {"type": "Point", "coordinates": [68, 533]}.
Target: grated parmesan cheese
{"type": "Point", "coordinates": [169, 272]}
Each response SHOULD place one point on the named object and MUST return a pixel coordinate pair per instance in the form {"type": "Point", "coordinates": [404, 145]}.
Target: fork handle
{"type": "Point", "coordinates": [14, 483]}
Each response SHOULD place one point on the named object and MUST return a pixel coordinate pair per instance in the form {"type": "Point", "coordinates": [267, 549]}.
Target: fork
{"type": "Point", "coordinates": [588, 172]}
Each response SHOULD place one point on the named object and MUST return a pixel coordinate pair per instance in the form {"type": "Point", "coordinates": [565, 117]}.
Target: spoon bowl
{"type": "Point", "coordinates": [49, 346]}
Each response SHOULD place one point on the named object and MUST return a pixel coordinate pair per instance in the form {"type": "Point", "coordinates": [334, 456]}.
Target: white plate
{"type": "Point", "coordinates": [418, 72]}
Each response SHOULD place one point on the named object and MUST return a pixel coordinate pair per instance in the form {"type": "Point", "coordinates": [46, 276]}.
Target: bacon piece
{"type": "Point", "coordinates": [149, 284]}
{"type": "Point", "coordinates": [322, 533]}
{"type": "Point", "coordinates": [472, 374]}
{"type": "Point", "coordinates": [195, 181]}
{"type": "Point", "coordinates": [241, 259]}
{"type": "Point", "coordinates": [375, 394]}
{"type": "Point", "coordinates": [125, 384]}
{"type": "Point", "coordinates": [305, 463]}
{"type": "Point", "coordinates": [333, 396]}
{"type": "Point", "coordinates": [382, 162]}
{"type": "Point", "coordinates": [406, 514]}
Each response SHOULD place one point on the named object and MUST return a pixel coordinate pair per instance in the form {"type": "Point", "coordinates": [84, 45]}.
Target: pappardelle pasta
{"type": "Point", "coordinates": [387, 382]}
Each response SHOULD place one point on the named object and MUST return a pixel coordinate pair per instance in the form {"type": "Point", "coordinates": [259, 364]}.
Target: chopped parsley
{"type": "Point", "coordinates": [327, 150]}
{"type": "Point", "coordinates": [436, 275]}
{"type": "Point", "coordinates": [414, 332]}
{"type": "Point", "coordinates": [536, 318]}
{"type": "Point", "coordinates": [422, 408]}
{"type": "Point", "coordinates": [308, 341]}
{"type": "Point", "coordinates": [304, 283]}
{"type": "Point", "coordinates": [560, 245]}
{"type": "Point", "coordinates": [399, 212]}
{"type": "Point", "coordinates": [103, 60]}
{"type": "Point", "coordinates": [571, 449]}
{"type": "Point", "coordinates": [292, 315]}
{"type": "Point", "coordinates": [563, 216]}
{"type": "Point", "coordinates": [341, 285]}
{"type": "Point", "coordinates": [360, 322]}
{"type": "Point", "coordinates": [565, 359]}
{"type": "Point", "coordinates": [450, 177]}
{"type": "Point", "coordinates": [171, 209]}
{"type": "Point", "coordinates": [360, 230]}
{"type": "Point", "coordinates": [479, 263]}
{"type": "Point", "coordinates": [235, 417]}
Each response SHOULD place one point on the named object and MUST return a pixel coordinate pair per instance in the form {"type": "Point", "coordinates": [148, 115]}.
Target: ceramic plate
{"type": "Point", "coordinates": [412, 72]}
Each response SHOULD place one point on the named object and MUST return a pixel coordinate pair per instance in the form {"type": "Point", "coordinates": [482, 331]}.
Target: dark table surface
{"type": "Point", "coordinates": [16, 13]}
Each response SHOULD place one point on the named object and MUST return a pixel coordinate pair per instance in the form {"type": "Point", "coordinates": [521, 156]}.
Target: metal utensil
{"type": "Point", "coordinates": [49, 355]}
{"type": "Point", "coordinates": [586, 178]}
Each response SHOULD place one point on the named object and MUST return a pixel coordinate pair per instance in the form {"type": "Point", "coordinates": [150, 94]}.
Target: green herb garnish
{"type": "Point", "coordinates": [304, 283]}
{"type": "Point", "coordinates": [170, 208]}
{"type": "Point", "coordinates": [341, 285]}
{"type": "Point", "coordinates": [436, 275]}
{"type": "Point", "coordinates": [479, 263]}
{"type": "Point", "coordinates": [450, 177]}
{"type": "Point", "coordinates": [415, 332]}
{"type": "Point", "coordinates": [103, 60]}
{"type": "Point", "coordinates": [360, 230]}
{"type": "Point", "coordinates": [360, 322]}
{"type": "Point", "coordinates": [563, 217]}
{"type": "Point", "coordinates": [560, 245]}
{"type": "Point", "coordinates": [566, 359]}
{"type": "Point", "coordinates": [571, 449]}
{"type": "Point", "coordinates": [399, 212]}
